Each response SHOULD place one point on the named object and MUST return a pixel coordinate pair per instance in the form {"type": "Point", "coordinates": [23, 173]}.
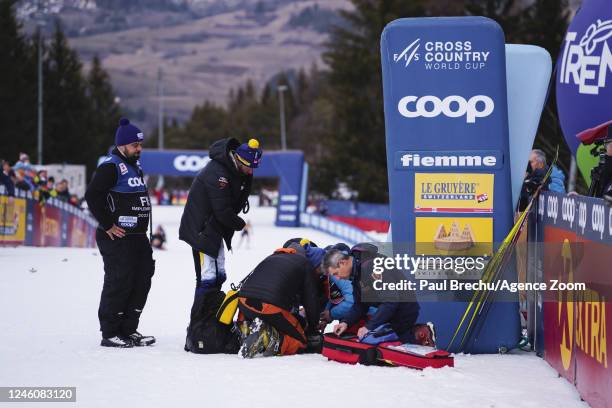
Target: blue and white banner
{"type": "Point", "coordinates": [287, 166]}
{"type": "Point", "coordinates": [446, 114]}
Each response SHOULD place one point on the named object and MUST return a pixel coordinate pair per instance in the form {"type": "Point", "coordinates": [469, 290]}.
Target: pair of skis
{"type": "Point", "coordinates": [478, 307]}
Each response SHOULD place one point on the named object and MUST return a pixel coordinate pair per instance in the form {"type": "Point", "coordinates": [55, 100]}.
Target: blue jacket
{"type": "Point", "coordinates": [401, 315]}
{"type": "Point", "coordinates": [557, 181]}
{"type": "Point", "coordinates": [339, 310]}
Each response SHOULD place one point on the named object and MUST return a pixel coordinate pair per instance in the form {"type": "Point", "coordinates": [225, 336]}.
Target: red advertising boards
{"type": "Point", "coordinates": [593, 311]}
{"type": "Point", "coordinates": [578, 249]}
{"type": "Point", "coordinates": [559, 317]}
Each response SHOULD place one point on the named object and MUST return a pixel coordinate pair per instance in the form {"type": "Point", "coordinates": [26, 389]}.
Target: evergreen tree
{"type": "Point", "coordinates": [357, 149]}
{"type": "Point", "coordinates": [106, 114]}
{"type": "Point", "coordinates": [206, 124]}
{"type": "Point", "coordinates": [18, 90]}
{"type": "Point", "coordinates": [545, 24]}
{"type": "Point", "coordinates": [68, 126]}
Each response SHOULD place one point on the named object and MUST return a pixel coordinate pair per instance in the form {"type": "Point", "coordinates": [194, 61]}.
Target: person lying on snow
{"type": "Point", "coordinates": [269, 301]}
{"type": "Point", "coordinates": [400, 317]}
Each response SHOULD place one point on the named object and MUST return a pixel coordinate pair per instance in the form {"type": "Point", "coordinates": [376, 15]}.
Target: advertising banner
{"type": "Point", "coordinates": [453, 193]}
{"type": "Point", "coordinates": [12, 220]}
{"type": "Point", "coordinates": [49, 227]}
{"type": "Point", "coordinates": [576, 323]}
{"type": "Point", "coordinates": [287, 166]}
{"type": "Point", "coordinates": [26, 221]}
{"type": "Point", "coordinates": [446, 120]}
{"type": "Point", "coordinates": [584, 77]}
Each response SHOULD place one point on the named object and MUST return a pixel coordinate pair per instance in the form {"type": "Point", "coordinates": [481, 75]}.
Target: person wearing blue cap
{"type": "Point", "coordinates": [217, 195]}
{"type": "Point", "coordinates": [117, 197]}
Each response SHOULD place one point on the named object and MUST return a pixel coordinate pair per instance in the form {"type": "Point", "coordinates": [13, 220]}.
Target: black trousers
{"type": "Point", "coordinates": [128, 268]}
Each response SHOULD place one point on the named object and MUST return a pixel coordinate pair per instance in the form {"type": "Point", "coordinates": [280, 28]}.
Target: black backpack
{"type": "Point", "coordinates": [205, 334]}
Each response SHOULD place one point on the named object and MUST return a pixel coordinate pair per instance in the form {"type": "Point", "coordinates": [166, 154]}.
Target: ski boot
{"type": "Point", "coordinates": [117, 341]}
{"type": "Point", "coordinates": [139, 340]}
{"type": "Point", "coordinates": [257, 339]}
{"type": "Point", "coordinates": [425, 334]}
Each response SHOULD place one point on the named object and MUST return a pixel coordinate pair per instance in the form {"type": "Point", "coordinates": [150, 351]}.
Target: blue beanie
{"type": "Point", "coordinates": [127, 133]}
{"type": "Point", "coordinates": [314, 255]}
{"type": "Point", "coordinates": [249, 154]}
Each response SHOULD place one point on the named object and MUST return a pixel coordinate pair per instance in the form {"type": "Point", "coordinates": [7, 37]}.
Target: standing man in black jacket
{"type": "Point", "coordinates": [117, 197]}
{"type": "Point", "coordinates": [218, 193]}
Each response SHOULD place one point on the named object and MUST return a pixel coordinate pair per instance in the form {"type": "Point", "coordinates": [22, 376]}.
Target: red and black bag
{"type": "Point", "coordinates": [398, 355]}
{"type": "Point", "coordinates": [350, 350]}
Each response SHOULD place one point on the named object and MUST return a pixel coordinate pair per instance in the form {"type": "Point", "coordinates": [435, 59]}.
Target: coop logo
{"type": "Point", "coordinates": [190, 163]}
{"type": "Point", "coordinates": [454, 106]}
{"type": "Point", "coordinates": [135, 182]}
{"type": "Point", "coordinates": [419, 160]}
{"type": "Point", "coordinates": [443, 55]}
{"type": "Point", "coordinates": [588, 62]}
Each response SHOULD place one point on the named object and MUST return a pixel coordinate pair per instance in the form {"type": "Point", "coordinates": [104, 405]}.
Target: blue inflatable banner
{"type": "Point", "coordinates": [446, 119]}
{"type": "Point", "coordinates": [528, 70]}
{"type": "Point", "coordinates": [287, 166]}
{"type": "Point", "coordinates": [584, 71]}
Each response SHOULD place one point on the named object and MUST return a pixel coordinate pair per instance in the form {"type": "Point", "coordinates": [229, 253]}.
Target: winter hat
{"type": "Point", "coordinates": [249, 154]}
{"type": "Point", "coordinates": [127, 133]}
{"type": "Point", "coordinates": [314, 255]}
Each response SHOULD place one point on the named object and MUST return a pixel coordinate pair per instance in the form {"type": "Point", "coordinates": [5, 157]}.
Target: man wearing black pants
{"type": "Point", "coordinates": [117, 197]}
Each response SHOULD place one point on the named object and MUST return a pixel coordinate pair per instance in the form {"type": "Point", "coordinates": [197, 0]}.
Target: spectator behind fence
{"type": "Point", "coordinates": [23, 163]}
{"type": "Point", "coordinates": [61, 191]}
{"type": "Point", "coordinates": [23, 181]}
{"type": "Point", "coordinates": [75, 200]}
{"type": "Point", "coordinates": [536, 171]}
{"type": "Point", "coordinates": [606, 173]}
{"type": "Point", "coordinates": [6, 179]}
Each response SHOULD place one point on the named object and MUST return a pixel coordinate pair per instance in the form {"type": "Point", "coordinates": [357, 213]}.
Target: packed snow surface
{"type": "Point", "coordinates": [49, 337]}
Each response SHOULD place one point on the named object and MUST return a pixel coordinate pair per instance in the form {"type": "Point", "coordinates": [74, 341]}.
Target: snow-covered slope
{"type": "Point", "coordinates": [49, 337]}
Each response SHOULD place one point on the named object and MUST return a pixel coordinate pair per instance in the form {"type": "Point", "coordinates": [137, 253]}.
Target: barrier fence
{"type": "Point", "coordinates": [570, 330]}
{"type": "Point", "coordinates": [347, 233]}
{"type": "Point", "coordinates": [25, 221]}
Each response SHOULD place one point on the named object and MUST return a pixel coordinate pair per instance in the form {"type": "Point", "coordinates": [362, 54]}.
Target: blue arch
{"type": "Point", "coordinates": [288, 166]}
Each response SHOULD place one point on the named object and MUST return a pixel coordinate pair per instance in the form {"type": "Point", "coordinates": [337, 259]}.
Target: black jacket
{"type": "Point", "coordinates": [218, 193]}
{"type": "Point", "coordinates": [8, 183]}
{"type": "Point", "coordinates": [285, 280]}
{"type": "Point", "coordinates": [103, 180]}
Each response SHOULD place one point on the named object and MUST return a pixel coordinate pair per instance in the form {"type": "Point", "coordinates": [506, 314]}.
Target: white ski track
{"type": "Point", "coordinates": [49, 337]}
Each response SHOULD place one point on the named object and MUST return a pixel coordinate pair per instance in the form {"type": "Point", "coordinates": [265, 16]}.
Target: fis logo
{"type": "Point", "coordinates": [454, 106]}
{"type": "Point", "coordinates": [409, 54]}
{"type": "Point", "coordinates": [588, 62]}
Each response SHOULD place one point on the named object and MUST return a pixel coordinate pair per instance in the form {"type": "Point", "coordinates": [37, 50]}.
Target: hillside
{"type": "Point", "coordinates": [203, 47]}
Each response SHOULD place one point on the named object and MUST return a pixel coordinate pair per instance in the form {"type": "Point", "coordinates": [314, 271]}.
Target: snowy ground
{"type": "Point", "coordinates": [49, 337]}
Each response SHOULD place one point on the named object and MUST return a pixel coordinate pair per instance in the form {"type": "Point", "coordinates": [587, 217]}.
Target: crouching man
{"type": "Point", "coordinates": [269, 300]}
{"type": "Point", "coordinates": [400, 316]}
